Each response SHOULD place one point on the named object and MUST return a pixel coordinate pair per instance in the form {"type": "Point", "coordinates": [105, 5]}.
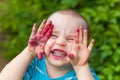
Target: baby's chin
{"type": "Point", "coordinates": [58, 63]}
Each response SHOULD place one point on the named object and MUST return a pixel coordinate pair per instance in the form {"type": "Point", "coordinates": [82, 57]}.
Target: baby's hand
{"type": "Point", "coordinates": [38, 38]}
{"type": "Point", "coordinates": [80, 52]}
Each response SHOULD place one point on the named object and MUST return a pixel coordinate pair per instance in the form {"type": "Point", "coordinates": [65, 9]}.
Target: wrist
{"type": "Point", "coordinates": [31, 53]}
{"type": "Point", "coordinates": [81, 67]}
{"type": "Point", "coordinates": [83, 72]}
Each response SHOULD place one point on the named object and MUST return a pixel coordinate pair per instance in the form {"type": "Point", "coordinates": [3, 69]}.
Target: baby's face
{"type": "Point", "coordinates": [61, 40]}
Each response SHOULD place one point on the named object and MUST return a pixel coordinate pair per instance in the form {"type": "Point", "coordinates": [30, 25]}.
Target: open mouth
{"type": "Point", "coordinates": [59, 53]}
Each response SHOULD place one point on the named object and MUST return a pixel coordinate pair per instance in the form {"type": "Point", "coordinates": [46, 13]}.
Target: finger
{"type": "Point", "coordinates": [40, 50]}
{"type": "Point", "coordinates": [76, 34]}
{"type": "Point", "coordinates": [46, 28]}
{"type": "Point", "coordinates": [85, 37]}
{"type": "Point", "coordinates": [80, 35]}
{"type": "Point", "coordinates": [74, 52]}
{"type": "Point", "coordinates": [33, 41]}
{"type": "Point", "coordinates": [33, 30]}
{"type": "Point", "coordinates": [91, 45]}
{"type": "Point", "coordinates": [40, 55]}
{"type": "Point", "coordinates": [41, 26]}
{"type": "Point", "coordinates": [71, 56]}
{"type": "Point", "coordinates": [48, 34]}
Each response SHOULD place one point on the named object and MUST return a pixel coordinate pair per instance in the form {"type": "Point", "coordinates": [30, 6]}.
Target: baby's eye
{"type": "Point", "coordinates": [69, 39]}
{"type": "Point", "coordinates": [54, 36]}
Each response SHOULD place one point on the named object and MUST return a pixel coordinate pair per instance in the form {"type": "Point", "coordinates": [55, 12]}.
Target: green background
{"type": "Point", "coordinates": [103, 16]}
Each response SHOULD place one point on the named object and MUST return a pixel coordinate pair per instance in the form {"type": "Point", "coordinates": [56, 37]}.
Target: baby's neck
{"type": "Point", "coordinates": [55, 72]}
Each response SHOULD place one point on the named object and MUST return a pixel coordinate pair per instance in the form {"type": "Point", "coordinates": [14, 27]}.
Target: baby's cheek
{"type": "Point", "coordinates": [69, 47]}
{"type": "Point", "coordinates": [48, 47]}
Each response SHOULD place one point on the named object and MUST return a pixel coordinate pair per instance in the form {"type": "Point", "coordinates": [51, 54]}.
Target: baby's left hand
{"type": "Point", "coordinates": [80, 52]}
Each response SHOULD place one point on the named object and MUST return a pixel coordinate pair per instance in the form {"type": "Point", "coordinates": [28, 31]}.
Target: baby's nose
{"type": "Point", "coordinates": [61, 41]}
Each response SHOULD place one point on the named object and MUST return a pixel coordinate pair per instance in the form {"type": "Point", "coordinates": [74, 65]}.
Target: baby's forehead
{"type": "Point", "coordinates": [63, 16]}
{"type": "Point", "coordinates": [64, 30]}
{"type": "Point", "coordinates": [69, 20]}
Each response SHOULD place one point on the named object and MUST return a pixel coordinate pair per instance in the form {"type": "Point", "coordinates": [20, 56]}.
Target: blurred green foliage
{"type": "Point", "coordinates": [18, 16]}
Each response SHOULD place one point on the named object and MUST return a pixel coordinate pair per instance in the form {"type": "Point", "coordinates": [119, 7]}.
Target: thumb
{"type": "Point", "coordinates": [40, 51]}
{"type": "Point", "coordinates": [40, 55]}
{"type": "Point", "coordinates": [71, 57]}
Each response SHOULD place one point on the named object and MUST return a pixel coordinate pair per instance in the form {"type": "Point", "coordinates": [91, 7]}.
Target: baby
{"type": "Point", "coordinates": [58, 50]}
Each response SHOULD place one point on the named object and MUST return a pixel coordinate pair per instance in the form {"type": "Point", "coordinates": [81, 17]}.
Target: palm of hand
{"type": "Point", "coordinates": [38, 39]}
{"type": "Point", "coordinates": [80, 52]}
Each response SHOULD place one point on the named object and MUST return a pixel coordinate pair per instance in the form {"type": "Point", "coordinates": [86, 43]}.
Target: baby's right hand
{"type": "Point", "coordinates": [38, 38]}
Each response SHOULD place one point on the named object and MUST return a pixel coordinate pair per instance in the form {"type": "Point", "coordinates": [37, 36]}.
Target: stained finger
{"type": "Point", "coordinates": [40, 55]}
{"type": "Point", "coordinates": [33, 41]}
{"type": "Point", "coordinates": [46, 28]}
{"type": "Point", "coordinates": [71, 56]}
{"type": "Point", "coordinates": [48, 34]}
{"type": "Point", "coordinates": [76, 34]}
{"type": "Point", "coordinates": [33, 30]}
{"type": "Point", "coordinates": [41, 26]}
{"type": "Point", "coordinates": [40, 51]}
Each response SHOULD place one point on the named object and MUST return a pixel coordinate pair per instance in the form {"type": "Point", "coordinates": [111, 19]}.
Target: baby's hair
{"type": "Point", "coordinates": [77, 15]}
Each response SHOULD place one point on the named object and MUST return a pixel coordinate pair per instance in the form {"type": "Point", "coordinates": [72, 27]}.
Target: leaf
{"type": "Point", "coordinates": [115, 28]}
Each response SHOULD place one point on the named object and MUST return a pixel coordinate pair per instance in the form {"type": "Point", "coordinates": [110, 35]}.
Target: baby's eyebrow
{"type": "Point", "coordinates": [55, 32]}
{"type": "Point", "coordinates": [70, 35]}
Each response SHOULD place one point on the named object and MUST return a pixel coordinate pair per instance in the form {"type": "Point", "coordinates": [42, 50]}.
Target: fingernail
{"type": "Point", "coordinates": [40, 55]}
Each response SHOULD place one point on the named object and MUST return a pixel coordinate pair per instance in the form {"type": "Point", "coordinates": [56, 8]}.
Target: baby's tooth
{"type": "Point", "coordinates": [58, 53]}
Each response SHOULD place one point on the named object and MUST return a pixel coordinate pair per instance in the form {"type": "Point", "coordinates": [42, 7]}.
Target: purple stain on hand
{"type": "Point", "coordinates": [40, 55]}
{"type": "Point", "coordinates": [33, 41]}
{"type": "Point", "coordinates": [71, 56]}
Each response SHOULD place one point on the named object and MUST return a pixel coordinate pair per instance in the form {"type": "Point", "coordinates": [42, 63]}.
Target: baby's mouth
{"type": "Point", "coordinates": [58, 53]}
